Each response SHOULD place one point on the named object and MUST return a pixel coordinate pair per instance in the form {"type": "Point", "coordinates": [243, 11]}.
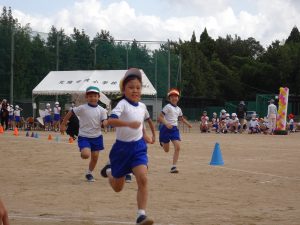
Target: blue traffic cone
{"type": "Point", "coordinates": [32, 134]}
{"type": "Point", "coordinates": [36, 135]}
{"type": "Point", "coordinates": [27, 134]}
{"type": "Point", "coordinates": [216, 159]}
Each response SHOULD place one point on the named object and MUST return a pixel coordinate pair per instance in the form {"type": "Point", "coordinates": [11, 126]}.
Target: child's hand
{"type": "Point", "coordinates": [134, 124]}
{"type": "Point", "coordinates": [190, 126]}
{"type": "Point", "coordinates": [147, 139]}
{"type": "Point", "coordinates": [169, 126]}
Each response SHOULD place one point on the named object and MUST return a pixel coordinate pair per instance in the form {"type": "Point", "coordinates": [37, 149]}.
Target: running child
{"type": "Point", "coordinates": [169, 117]}
{"type": "Point", "coordinates": [17, 114]}
{"type": "Point", "coordinates": [129, 152]}
{"type": "Point", "coordinates": [56, 118]}
{"type": "Point", "coordinates": [47, 118]}
{"type": "Point", "coordinates": [11, 117]}
{"type": "Point", "coordinates": [91, 117]}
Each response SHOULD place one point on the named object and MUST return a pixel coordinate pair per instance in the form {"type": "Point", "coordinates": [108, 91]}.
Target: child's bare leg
{"type": "Point", "coordinates": [140, 173]}
{"type": "Point", "coordinates": [176, 151]}
{"type": "Point", "coordinates": [85, 153]}
{"type": "Point", "coordinates": [117, 184]}
{"type": "Point", "coordinates": [166, 147]}
{"type": "Point", "coordinates": [94, 159]}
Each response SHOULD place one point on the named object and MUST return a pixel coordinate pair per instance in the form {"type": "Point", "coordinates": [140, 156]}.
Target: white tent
{"type": "Point", "coordinates": [76, 82]}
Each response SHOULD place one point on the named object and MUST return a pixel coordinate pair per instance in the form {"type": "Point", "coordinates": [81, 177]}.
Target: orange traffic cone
{"type": "Point", "coordinates": [49, 137]}
{"type": "Point", "coordinates": [16, 132]}
{"type": "Point", "coordinates": [1, 130]}
{"type": "Point", "coordinates": [71, 140]}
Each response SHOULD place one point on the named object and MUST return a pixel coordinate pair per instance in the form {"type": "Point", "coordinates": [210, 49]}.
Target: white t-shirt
{"type": "Point", "coordinates": [48, 112]}
{"type": "Point", "coordinates": [56, 110]}
{"type": "Point", "coordinates": [17, 112]}
{"type": "Point", "coordinates": [130, 112]}
{"type": "Point", "coordinates": [10, 111]}
{"type": "Point", "coordinates": [90, 120]}
{"type": "Point", "coordinates": [172, 113]}
{"type": "Point", "coordinates": [253, 123]}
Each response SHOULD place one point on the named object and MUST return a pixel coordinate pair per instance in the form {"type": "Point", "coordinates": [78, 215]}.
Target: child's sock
{"type": "Point", "coordinates": [89, 172]}
{"type": "Point", "coordinates": [141, 212]}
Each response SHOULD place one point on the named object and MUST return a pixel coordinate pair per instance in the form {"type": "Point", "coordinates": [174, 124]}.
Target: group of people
{"type": "Point", "coordinates": [129, 152]}
{"type": "Point", "coordinates": [10, 116]}
{"type": "Point", "coordinates": [236, 122]}
{"type": "Point", "coordinates": [52, 118]}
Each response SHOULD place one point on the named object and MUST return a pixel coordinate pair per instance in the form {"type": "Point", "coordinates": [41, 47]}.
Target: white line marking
{"type": "Point", "coordinates": [69, 219]}
{"type": "Point", "coordinates": [258, 173]}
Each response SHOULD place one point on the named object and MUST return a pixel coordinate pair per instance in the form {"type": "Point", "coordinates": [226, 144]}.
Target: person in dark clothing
{"type": "Point", "coordinates": [4, 114]}
{"type": "Point", "coordinates": [73, 127]}
{"type": "Point", "coordinates": [241, 114]}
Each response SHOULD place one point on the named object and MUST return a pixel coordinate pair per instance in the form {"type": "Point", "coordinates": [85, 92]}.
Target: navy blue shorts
{"type": "Point", "coordinates": [166, 135]}
{"type": "Point", "coordinates": [126, 155]}
{"type": "Point", "coordinates": [11, 118]}
{"type": "Point", "coordinates": [17, 119]}
{"type": "Point", "coordinates": [48, 119]}
{"type": "Point", "coordinates": [56, 117]}
{"type": "Point", "coordinates": [95, 144]}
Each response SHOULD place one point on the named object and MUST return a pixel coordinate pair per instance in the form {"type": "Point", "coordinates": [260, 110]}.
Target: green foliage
{"type": "Point", "coordinates": [227, 68]}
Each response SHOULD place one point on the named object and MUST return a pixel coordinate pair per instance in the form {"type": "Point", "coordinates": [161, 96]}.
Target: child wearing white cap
{"type": "Point", "coordinates": [56, 118]}
{"type": "Point", "coordinates": [90, 140]}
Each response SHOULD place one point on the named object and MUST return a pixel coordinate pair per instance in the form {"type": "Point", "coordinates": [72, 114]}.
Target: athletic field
{"type": "Point", "coordinates": [42, 182]}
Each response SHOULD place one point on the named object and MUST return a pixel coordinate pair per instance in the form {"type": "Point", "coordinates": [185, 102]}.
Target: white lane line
{"type": "Point", "coordinates": [258, 173]}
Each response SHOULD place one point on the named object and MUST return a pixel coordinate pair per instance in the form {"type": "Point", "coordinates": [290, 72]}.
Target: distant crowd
{"type": "Point", "coordinates": [237, 122]}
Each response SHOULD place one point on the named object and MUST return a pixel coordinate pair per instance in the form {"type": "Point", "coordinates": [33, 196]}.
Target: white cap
{"type": "Point", "coordinates": [223, 111]}
{"type": "Point", "coordinates": [56, 103]}
{"type": "Point", "coordinates": [233, 114]}
{"type": "Point", "coordinates": [227, 114]}
{"type": "Point", "coordinates": [17, 107]}
{"type": "Point", "coordinates": [48, 104]}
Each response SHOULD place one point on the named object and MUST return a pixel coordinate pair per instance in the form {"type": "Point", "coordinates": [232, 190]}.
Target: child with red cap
{"type": "Point", "coordinates": [169, 131]}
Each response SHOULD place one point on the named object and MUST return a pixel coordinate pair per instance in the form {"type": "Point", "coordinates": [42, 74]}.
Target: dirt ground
{"type": "Point", "coordinates": [42, 182]}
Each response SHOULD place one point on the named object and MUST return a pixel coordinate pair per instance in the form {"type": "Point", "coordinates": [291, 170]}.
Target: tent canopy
{"type": "Point", "coordinates": [76, 82]}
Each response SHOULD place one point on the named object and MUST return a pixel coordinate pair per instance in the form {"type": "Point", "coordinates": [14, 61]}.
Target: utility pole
{"type": "Point", "coordinates": [127, 55]}
{"type": "Point", "coordinates": [155, 83]}
{"type": "Point", "coordinates": [57, 58]}
{"type": "Point", "coordinates": [12, 65]}
{"type": "Point", "coordinates": [169, 66]}
{"type": "Point", "coordinates": [57, 52]}
{"type": "Point", "coordinates": [95, 55]}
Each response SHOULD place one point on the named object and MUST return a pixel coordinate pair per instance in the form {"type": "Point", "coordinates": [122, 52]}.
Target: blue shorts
{"type": "Point", "coordinates": [11, 117]}
{"type": "Point", "coordinates": [56, 117]}
{"type": "Point", "coordinates": [166, 135]}
{"type": "Point", "coordinates": [126, 155]}
{"type": "Point", "coordinates": [17, 119]}
{"type": "Point", "coordinates": [95, 144]}
{"type": "Point", "coordinates": [48, 119]}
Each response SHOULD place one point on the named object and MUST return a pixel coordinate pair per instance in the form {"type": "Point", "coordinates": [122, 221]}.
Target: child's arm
{"type": "Point", "coordinates": [65, 120]}
{"type": "Point", "coordinates": [162, 119]}
{"type": "Point", "coordinates": [181, 118]}
{"type": "Point", "coordinates": [146, 137]}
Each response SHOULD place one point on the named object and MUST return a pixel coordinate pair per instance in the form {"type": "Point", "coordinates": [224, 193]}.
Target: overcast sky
{"type": "Point", "coordinates": [265, 20]}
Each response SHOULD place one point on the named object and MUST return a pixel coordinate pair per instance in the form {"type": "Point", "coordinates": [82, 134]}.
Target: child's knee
{"type": "Point", "coordinates": [85, 154]}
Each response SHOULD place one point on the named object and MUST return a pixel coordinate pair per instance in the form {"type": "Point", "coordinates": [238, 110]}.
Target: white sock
{"type": "Point", "coordinates": [108, 171]}
{"type": "Point", "coordinates": [89, 172]}
{"type": "Point", "coordinates": [174, 166]}
{"type": "Point", "coordinates": [141, 212]}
